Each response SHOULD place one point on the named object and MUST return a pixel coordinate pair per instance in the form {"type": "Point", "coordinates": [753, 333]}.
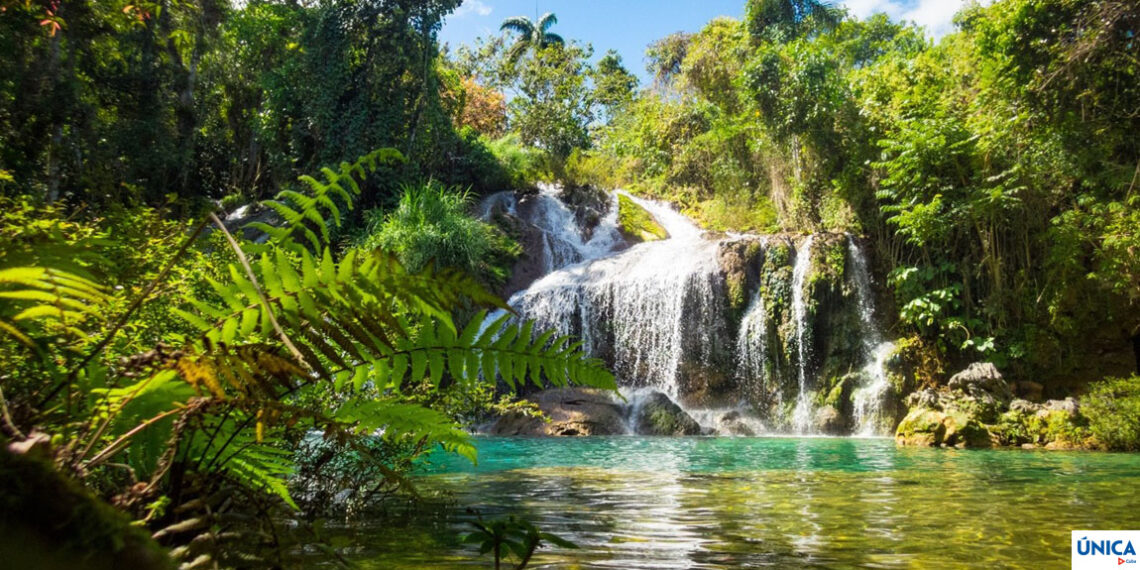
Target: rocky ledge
{"type": "Point", "coordinates": [977, 409]}
{"type": "Point", "coordinates": [570, 412]}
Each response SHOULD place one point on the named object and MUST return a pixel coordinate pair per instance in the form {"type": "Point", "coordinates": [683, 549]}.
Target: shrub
{"type": "Point", "coordinates": [1113, 409]}
{"type": "Point", "coordinates": [432, 223]}
{"type": "Point", "coordinates": [524, 166]}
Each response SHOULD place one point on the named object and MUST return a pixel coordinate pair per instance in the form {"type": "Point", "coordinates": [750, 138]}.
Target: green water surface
{"type": "Point", "coordinates": [649, 503]}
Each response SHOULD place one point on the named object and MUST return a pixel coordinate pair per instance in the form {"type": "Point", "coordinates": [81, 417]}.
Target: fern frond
{"type": "Point", "coordinates": [49, 296]}
{"type": "Point", "coordinates": [304, 216]}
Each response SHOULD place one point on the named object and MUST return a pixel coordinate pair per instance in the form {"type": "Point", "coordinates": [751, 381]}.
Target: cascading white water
{"type": "Point", "coordinates": [563, 242]}
{"type": "Point", "coordinates": [752, 339]}
{"type": "Point", "coordinates": [657, 313]}
{"type": "Point", "coordinates": [639, 306]}
{"type": "Point", "coordinates": [801, 415]}
{"type": "Point", "coordinates": [867, 400]}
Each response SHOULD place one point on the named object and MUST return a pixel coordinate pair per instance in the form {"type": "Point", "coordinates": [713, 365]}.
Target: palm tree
{"type": "Point", "coordinates": [531, 35]}
{"type": "Point", "coordinates": [783, 20]}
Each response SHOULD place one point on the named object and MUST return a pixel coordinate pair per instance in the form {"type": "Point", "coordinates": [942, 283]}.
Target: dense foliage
{"type": "Point", "coordinates": [996, 169]}
{"type": "Point", "coordinates": [287, 348]}
{"type": "Point", "coordinates": [125, 100]}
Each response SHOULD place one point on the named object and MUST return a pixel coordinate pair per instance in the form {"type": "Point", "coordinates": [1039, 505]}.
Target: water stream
{"type": "Point", "coordinates": [638, 503]}
{"type": "Point", "coordinates": [656, 313]}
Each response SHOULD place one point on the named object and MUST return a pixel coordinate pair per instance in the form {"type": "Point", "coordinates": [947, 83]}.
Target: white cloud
{"type": "Point", "coordinates": [937, 16]}
{"type": "Point", "coordinates": [475, 7]}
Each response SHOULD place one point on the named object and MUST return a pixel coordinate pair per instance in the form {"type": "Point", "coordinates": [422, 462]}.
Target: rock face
{"type": "Point", "coordinates": [656, 414]}
{"type": "Point", "coordinates": [981, 380]}
{"type": "Point", "coordinates": [571, 411]}
{"type": "Point", "coordinates": [977, 409]}
{"type": "Point", "coordinates": [771, 324]}
{"type": "Point", "coordinates": [636, 224]}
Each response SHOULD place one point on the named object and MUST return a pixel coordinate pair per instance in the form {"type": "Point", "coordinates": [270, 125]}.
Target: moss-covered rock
{"type": "Point", "coordinates": [656, 414]}
{"type": "Point", "coordinates": [740, 262]}
{"type": "Point", "coordinates": [636, 224]}
{"type": "Point", "coordinates": [922, 427]}
{"type": "Point", "coordinates": [974, 412]}
{"type": "Point", "coordinates": [48, 521]}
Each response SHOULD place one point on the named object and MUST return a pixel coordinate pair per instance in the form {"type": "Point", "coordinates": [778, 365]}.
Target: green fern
{"type": "Point", "coordinates": [302, 214]}
{"type": "Point", "coordinates": [47, 296]}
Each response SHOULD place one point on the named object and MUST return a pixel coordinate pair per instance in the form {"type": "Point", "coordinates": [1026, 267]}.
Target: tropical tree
{"type": "Point", "coordinates": [531, 35]}
{"type": "Point", "coordinates": [784, 20]}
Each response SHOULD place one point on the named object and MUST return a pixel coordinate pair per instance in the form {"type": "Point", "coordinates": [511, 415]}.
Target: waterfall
{"type": "Point", "coordinates": [638, 306]}
{"type": "Point", "coordinates": [752, 340]}
{"type": "Point", "coordinates": [868, 399]}
{"type": "Point", "coordinates": [659, 313]}
{"type": "Point", "coordinates": [563, 242]}
{"type": "Point", "coordinates": [801, 416]}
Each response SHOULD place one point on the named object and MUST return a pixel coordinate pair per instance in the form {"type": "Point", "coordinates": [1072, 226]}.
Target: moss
{"type": "Point", "coordinates": [964, 430]}
{"type": "Point", "coordinates": [1054, 428]}
{"type": "Point", "coordinates": [836, 391]}
{"type": "Point", "coordinates": [922, 427]}
{"type": "Point", "coordinates": [736, 292]}
{"type": "Point", "coordinates": [1113, 411]}
{"type": "Point", "coordinates": [637, 224]}
{"type": "Point", "coordinates": [58, 524]}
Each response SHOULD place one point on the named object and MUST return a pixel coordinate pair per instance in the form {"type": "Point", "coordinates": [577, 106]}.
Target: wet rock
{"type": "Point", "coordinates": [636, 224]}
{"type": "Point", "coordinates": [589, 205]}
{"type": "Point", "coordinates": [571, 412]}
{"type": "Point", "coordinates": [829, 421]}
{"type": "Point", "coordinates": [734, 423]}
{"type": "Point", "coordinates": [922, 427]}
{"type": "Point", "coordinates": [656, 414]}
{"type": "Point", "coordinates": [740, 261]}
{"type": "Point", "coordinates": [982, 381]}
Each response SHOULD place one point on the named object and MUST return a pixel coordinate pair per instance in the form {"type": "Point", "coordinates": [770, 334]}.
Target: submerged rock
{"type": "Point", "coordinates": [656, 414]}
{"type": "Point", "coordinates": [569, 411]}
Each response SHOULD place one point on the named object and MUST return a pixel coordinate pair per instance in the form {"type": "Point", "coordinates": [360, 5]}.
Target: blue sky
{"type": "Point", "coordinates": [629, 25]}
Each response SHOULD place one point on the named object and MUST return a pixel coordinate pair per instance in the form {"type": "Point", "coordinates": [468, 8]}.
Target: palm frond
{"type": "Point", "coordinates": [518, 24]}
{"type": "Point", "coordinates": [546, 21]}
{"type": "Point", "coordinates": [550, 38]}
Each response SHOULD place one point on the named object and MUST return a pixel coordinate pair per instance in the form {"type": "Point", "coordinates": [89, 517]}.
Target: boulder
{"type": "Point", "coordinates": [922, 427]}
{"type": "Point", "coordinates": [1069, 405]}
{"type": "Point", "coordinates": [734, 423]}
{"type": "Point", "coordinates": [964, 430]}
{"type": "Point", "coordinates": [981, 380]}
{"type": "Point", "coordinates": [927, 398]}
{"type": "Point", "coordinates": [829, 421]}
{"type": "Point", "coordinates": [569, 411]}
{"type": "Point", "coordinates": [655, 414]}
{"type": "Point", "coordinates": [1024, 407]}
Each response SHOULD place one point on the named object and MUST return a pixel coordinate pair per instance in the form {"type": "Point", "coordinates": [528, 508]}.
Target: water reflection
{"type": "Point", "coordinates": [750, 502]}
